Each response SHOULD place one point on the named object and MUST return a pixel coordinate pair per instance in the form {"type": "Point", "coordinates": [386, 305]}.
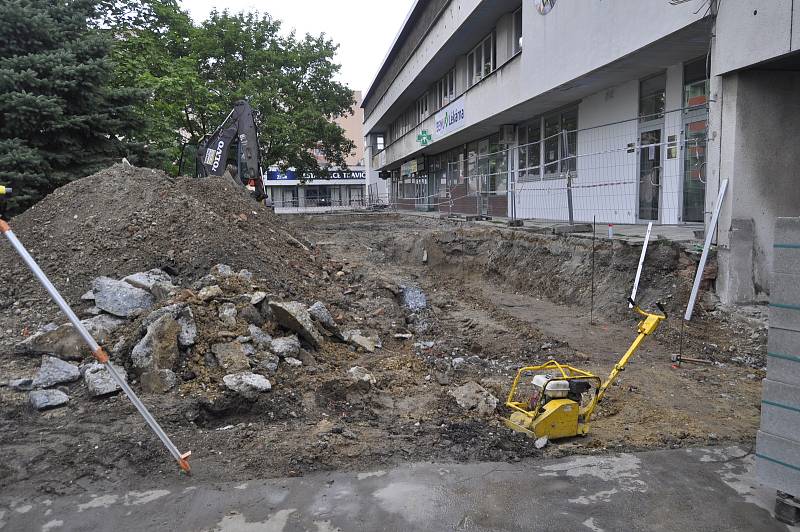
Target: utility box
{"type": "Point", "coordinates": [778, 441]}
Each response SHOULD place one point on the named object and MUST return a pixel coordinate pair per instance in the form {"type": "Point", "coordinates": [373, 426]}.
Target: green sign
{"type": "Point", "coordinates": [424, 137]}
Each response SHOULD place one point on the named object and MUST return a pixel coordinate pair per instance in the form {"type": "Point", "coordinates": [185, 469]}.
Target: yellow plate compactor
{"type": "Point", "coordinates": [560, 398]}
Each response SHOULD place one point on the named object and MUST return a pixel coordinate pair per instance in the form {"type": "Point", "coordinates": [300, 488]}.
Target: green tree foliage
{"type": "Point", "coordinates": [195, 72]}
{"type": "Point", "coordinates": [60, 118]}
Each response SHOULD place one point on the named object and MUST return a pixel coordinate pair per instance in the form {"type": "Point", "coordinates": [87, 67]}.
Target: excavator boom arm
{"type": "Point", "coordinates": [238, 128]}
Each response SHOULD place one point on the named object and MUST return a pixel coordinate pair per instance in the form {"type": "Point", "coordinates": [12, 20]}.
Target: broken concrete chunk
{"type": "Point", "coordinates": [359, 374]}
{"type": "Point", "coordinates": [88, 296]}
{"type": "Point", "coordinates": [251, 315]}
{"type": "Point", "coordinates": [55, 371]}
{"type": "Point", "coordinates": [159, 347]}
{"type": "Point", "coordinates": [182, 313]}
{"type": "Point", "coordinates": [102, 327]}
{"type": "Point", "coordinates": [231, 357]}
{"type": "Point", "coordinates": [473, 396]}
{"type": "Point", "coordinates": [245, 275]}
{"type": "Point", "coordinates": [294, 316]}
{"type": "Point", "coordinates": [206, 280]}
{"type": "Point", "coordinates": [188, 335]}
{"type": "Point", "coordinates": [261, 339]}
{"type": "Point", "coordinates": [257, 297]}
{"type": "Point", "coordinates": [319, 312]}
{"type": "Point", "coordinates": [163, 290]}
{"type": "Point", "coordinates": [247, 384]}
{"type": "Point", "coordinates": [158, 381]}
{"type": "Point", "coordinates": [209, 292]}
{"type": "Point", "coordinates": [147, 280]}
{"type": "Point", "coordinates": [120, 298]}
{"type": "Point", "coordinates": [248, 349]}
{"type": "Point", "coordinates": [293, 362]}
{"type": "Point", "coordinates": [285, 347]}
{"type": "Point", "coordinates": [44, 399]}
{"type": "Point", "coordinates": [227, 314]}
{"type": "Point", "coordinates": [269, 364]}
{"type": "Point", "coordinates": [20, 385]}
{"type": "Point", "coordinates": [98, 380]}
{"type": "Point", "coordinates": [64, 341]}
{"type": "Point", "coordinates": [541, 442]}
{"type": "Point", "coordinates": [367, 343]}
{"type": "Point", "coordinates": [221, 271]}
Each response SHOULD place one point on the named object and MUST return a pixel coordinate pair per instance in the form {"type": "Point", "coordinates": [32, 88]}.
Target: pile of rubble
{"type": "Point", "coordinates": [127, 219]}
{"type": "Point", "coordinates": [224, 334]}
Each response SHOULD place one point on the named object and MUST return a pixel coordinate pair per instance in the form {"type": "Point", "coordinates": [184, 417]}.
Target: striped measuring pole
{"type": "Point", "coordinates": [97, 351]}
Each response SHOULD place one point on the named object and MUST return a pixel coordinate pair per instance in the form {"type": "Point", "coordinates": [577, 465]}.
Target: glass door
{"type": "Point", "coordinates": [694, 170]}
{"type": "Point", "coordinates": [650, 175]}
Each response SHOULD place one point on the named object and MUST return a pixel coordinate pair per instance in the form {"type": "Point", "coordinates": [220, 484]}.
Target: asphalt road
{"type": "Point", "coordinates": [670, 490]}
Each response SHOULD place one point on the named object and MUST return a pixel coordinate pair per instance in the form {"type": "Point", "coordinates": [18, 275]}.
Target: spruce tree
{"type": "Point", "coordinates": [60, 118]}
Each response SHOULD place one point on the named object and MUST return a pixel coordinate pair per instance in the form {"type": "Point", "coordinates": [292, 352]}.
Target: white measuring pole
{"type": "Point", "coordinates": [97, 351]}
{"type": "Point", "coordinates": [641, 263]}
{"type": "Point", "coordinates": [709, 236]}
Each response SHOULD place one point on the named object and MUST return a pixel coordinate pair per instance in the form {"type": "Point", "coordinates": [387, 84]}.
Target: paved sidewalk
{"type": "Point", "coordinates": [670, 490]}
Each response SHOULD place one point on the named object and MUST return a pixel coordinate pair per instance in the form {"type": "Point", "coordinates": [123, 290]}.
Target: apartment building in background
{"type": "Point", "coordinates": [333, 188]}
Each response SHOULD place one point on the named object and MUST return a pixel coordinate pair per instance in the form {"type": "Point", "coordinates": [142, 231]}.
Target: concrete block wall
{"type": "Point", "coordinates": [778, 441]}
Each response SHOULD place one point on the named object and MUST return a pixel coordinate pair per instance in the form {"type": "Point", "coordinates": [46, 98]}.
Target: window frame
{"type": "Point", "coordinates": [516, 36]}
{"type": "Point", "coordinates": [565, 158]}
{"type": "Point", "coordinates": [658, 115]}
{"type": "Point", "coordinates": [488, 43]}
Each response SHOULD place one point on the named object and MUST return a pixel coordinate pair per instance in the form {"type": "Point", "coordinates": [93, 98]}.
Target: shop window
{"type": "Point", "coordinates": [472, 159]}
{"type": "Point", "coordinates": [695, 84]}
{"type": "Point", "coordinates": [516, 44]}
{"type": "Point", "coordinates": [529, 150]}
{"type": "Point", "coordinates": [498, 167]}
{"type": "Point", "coordinates": [652, 98]}
{"type": "Point", "coordinates": [560, 143]}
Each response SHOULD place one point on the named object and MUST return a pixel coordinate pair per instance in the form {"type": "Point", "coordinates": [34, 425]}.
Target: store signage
{"type": "Point", "coordinates": [412, 167]}
{"type": "Point", "coordinates": [408, 168]}
{"type": "Point", "coordinates": [544, 6]}
{"type": "Point", "coordinates": [449, 119]}
{"type": "Point", "coordinates": [334, 175]}
{"type": "Point", "coordinates": [291, 175]}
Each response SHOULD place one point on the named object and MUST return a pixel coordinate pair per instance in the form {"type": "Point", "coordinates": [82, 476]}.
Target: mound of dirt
{"type": "Point", "coordinates": [126, 219]}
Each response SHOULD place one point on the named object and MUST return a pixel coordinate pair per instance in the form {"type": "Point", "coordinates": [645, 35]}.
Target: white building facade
{"type": "Point", "coordinates": [619, 111]}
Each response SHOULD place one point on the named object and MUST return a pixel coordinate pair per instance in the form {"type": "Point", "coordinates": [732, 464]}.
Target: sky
{"type": "Point", "coordinates": [364, 29]}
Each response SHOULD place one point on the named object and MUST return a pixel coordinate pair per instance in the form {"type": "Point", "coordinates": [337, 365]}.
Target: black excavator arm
{"type": "Point", "coordinates": [239, 128]}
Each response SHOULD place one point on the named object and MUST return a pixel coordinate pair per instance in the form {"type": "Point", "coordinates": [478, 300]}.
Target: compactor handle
{"type": "Point", "coordinates": [638, 310]}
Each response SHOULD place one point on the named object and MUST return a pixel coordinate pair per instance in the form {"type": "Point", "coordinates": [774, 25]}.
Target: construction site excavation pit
{"type": "Point", "coordinates": [275, 346]}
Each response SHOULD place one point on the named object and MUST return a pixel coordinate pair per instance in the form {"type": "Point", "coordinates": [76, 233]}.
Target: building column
{"type": "Point", "coordinates": [754, 127]}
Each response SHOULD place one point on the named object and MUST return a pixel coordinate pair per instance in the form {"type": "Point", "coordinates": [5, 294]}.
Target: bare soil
{"type": "Point", "coordinates": [497, 298]}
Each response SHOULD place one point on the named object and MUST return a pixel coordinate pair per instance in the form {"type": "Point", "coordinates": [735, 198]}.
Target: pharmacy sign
{"type": "Point", "coordinates": [424, 137]}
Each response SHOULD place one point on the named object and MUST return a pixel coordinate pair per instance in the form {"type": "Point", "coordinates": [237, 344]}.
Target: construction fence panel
{"type": "Point", "coordinates": [632, 171]}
